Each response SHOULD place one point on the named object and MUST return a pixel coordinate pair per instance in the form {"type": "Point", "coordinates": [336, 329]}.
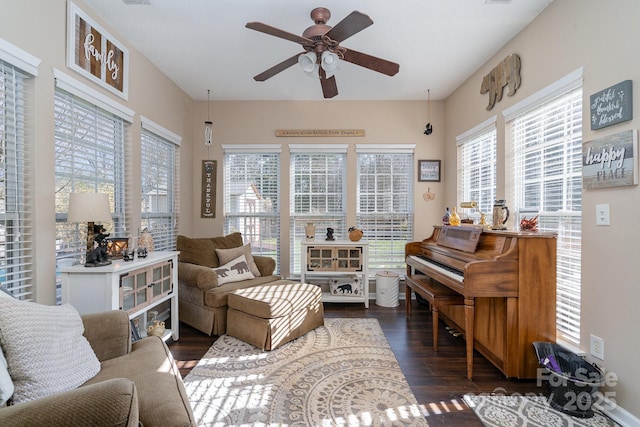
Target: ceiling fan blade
{"type": "Point", "coordinates": [329, 86]}
{"type": "Point", "coordinates": [277, 68]}
{"type": "Point", "coordinates": [371, 62]}
{"type": "Point", "coordinates": [276, 32]}
{"type": "Point", "coordinates": [350, 25]}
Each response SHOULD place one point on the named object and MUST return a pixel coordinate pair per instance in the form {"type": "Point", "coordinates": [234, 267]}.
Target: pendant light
{"type": "Point", "coordinates": [429, 129]}
{"type": "Point", "coordinates": [208, 124]}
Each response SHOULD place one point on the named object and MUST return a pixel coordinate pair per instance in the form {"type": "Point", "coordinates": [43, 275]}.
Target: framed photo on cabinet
{"type": "Point", "coordinates": [428, 170]}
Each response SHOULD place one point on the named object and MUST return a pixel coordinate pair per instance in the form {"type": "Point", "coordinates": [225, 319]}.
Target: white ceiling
{"type": "Point", "coordinates": [203, 44]}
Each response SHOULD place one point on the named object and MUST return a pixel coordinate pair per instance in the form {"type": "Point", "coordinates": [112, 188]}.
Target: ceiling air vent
{"type": "Point", "coordinates": [148, 2]}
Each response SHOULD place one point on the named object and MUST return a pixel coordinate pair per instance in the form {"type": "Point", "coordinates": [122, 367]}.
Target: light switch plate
{"type": "Point", "coordinates": [602, 215]}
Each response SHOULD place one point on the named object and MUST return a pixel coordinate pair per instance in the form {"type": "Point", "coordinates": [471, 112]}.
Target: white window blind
{"type": "Point", "coordinates": [252, 197]}
{"type": "Point", "coordinates": [159, 196]}
{"type": "Point", "coordinates": [318, 194]}
{"type": "Point", "coordinates": [15, 222]}
{"type": "Point", "coordinates": [89, 151]}
{"type": "Point", "coordinates": [546, 157]}
{"type": "Point", "coordinates": [477, 170]}
{"type": "Point", "coordinates": [385, 205]}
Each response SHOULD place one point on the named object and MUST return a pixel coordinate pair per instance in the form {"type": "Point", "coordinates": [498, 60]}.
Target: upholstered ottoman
{"type": "Point", "coordinates": [271, 315]}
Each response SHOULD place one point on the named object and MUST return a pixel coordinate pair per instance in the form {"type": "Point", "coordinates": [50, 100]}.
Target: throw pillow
{"type": "Point", "coordinates": [226, 255]}
{"type": "Point", "coordinates": [6, 385]}
{"type": "Point", "coordinates": [45, 349]}
{"type": "Point", "coordinates": [234, 271]}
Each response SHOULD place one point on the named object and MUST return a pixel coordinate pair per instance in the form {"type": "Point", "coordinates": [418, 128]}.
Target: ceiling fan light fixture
{"type": "Point", "coordinates": [329, 63]}
{"type": "Point", "coordinates": [307, 61]}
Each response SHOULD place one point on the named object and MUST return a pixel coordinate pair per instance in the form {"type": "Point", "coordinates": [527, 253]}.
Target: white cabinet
{"type": "Point", "coordinates": [137, 287]}
{"type": "Point", "coordinates": [339, 258]}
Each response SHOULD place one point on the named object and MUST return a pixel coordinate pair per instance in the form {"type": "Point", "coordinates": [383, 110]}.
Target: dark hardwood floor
{"type": "Point", "coordinates": [437, 379]}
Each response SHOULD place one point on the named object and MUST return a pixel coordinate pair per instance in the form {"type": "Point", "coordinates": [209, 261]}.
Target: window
{"type": "Point", "coordinates": [385, 203]}
{"type": "Point", "coordinates": [252, 196]}
{"type": "Point", "coordinates": [15, 221]}
{"type": "Point", "coordinates": [159, 173]}
{"type": "Point", "coordinates": [546, 157]}
{"type": "Point", "coordinates": [477, 169]}
{"type": "Point", "coordinates": [318, 193]}
{"type": "Point", "coordinates": [89, 152]}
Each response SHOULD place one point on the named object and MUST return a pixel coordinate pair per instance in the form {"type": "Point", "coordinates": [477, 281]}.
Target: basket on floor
{"type": "Point", "coordinates": [573, 382]}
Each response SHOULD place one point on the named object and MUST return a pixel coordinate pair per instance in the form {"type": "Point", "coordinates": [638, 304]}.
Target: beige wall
{"type": "Point", "coordinates": [39, 28]}
{"type": "Point", "coordinates": [568, 35]}
{"type": "Point", "coordinates": [599, 36]}
{"type": "Point", "coordinates": [400, 122]}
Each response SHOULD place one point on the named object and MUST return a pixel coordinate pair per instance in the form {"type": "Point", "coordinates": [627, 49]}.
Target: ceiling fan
{"type": "Point", "coordinates": [322, 50]}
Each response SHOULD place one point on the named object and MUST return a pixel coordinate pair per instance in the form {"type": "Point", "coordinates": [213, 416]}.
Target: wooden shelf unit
{"type": "Point", "coordinates": [344, 258]}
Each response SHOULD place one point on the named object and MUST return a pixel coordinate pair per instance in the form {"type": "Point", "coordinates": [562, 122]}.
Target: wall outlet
{"type": "Point", "coordinates": [597, 347]}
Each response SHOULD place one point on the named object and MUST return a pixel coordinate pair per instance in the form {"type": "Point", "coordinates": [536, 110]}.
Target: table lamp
{"type": "Point", "coordinates": [90, 208]}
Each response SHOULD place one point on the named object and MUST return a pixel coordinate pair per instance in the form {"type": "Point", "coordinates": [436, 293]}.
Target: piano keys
{"type": "Point", "coordinates": [508, 280]}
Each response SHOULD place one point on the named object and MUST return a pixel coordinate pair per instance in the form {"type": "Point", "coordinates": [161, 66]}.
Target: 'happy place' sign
{"type": "Point", "coordinates": [611, 161]}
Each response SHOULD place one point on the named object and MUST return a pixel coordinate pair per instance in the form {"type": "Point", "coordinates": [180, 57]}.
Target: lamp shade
{"type": "Point", "coordinates": [89, 207]}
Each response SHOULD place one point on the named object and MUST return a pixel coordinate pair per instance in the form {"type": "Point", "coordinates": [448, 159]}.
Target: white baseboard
{"type": "Point", "coordinates": [618, 414]}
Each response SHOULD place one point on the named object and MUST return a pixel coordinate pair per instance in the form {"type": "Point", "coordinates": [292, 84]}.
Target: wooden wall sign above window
{"type": "Point", "coordinates": [94, 53]}
{"type": "Point", "coordinates": [320, 132]}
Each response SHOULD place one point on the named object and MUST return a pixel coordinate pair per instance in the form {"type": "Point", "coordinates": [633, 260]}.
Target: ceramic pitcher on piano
{"type": "Point", "coordinates": [500, 215]}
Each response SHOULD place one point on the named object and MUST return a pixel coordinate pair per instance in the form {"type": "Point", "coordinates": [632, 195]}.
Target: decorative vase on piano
{"type": "Point", "coordinates": [445, 218]}
{"type": "Point", "coordinates": [454, 219]}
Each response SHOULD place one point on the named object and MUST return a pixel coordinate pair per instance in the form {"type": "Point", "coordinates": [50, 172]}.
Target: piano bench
{"type": "Point", "coordinates": [437, 294]}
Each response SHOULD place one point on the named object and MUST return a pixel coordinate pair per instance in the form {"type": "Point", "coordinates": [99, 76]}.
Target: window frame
{"type": "Point", "coordinates": [162, 224]}
{"type": "Point", "coordinates": [256, 212]}
{"type": "Point", "coordinates": [18, 70]}
{"type": "Point", "coordinates": [334, 179]}
{"type": "Point", "coordinates": [70, 238]}
{"type": "Point", "coordinates": [482, 172]}
{"type": "Point", "coordinates": [391, 205]}
{"type": "Point", "coordinates": [568, 283]}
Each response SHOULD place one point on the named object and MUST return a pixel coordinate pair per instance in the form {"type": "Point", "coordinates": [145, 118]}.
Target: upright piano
{"type": "Point", "coordinates": [508, 281]}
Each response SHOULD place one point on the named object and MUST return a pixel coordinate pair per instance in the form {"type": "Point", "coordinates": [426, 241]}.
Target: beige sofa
{"type": "Point", "coordinates": [138, 384]}
{"type": "Point", "coordinates": [202, 298]}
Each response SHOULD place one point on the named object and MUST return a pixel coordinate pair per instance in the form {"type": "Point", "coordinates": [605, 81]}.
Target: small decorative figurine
{"type": "Point", "coordinates": [142, 252]}
{"type": "Point", "coordinates": [98, 256]}
{"type": "Point", "coordinates": [310, 231]}
{"type": "Point", "coordinates": [330, 234]}
{"type": "Point", "coordinates": [157, 328]}
{"type": "Point", "coordinates": [128, 254]}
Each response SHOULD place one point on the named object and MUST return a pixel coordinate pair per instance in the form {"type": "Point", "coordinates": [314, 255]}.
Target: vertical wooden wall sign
{"type": "Point", "coordinates": [208, 197]}
{"type": "Point", "coordinates": [96, 54]}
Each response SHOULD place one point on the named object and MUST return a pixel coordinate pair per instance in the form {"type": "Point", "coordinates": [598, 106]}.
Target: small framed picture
{"type": "Point", "coordinates": [428, 170]}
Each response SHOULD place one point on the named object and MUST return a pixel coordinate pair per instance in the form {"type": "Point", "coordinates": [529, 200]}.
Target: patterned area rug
{"type": "Point", "coordinates": [341, 374]}
{"type": "Point", "coordinates": [527, 411]}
